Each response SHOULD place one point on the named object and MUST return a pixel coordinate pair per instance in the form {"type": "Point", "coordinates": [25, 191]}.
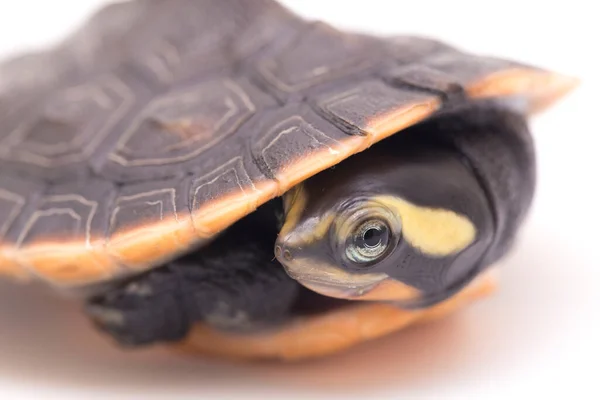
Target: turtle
{"type": "Point", "coordinates": [231, 179]}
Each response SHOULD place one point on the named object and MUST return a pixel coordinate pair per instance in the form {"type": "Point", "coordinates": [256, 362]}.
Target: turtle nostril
{"type": "Point", "coordinates": [287, 255]}
{"type": "Point", "coordinates": [283, 253]}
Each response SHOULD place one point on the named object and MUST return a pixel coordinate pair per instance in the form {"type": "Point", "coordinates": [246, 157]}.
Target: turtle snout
{"type": "Point", "coordinates": [283, 252]}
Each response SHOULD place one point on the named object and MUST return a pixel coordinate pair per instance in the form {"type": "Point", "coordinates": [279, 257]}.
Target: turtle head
{"type": "Point", "coordinates": [409, 228]}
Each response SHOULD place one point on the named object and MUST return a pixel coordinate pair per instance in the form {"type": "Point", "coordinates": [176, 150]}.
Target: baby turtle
{"type": "Point", "coordinates": [230, 177]}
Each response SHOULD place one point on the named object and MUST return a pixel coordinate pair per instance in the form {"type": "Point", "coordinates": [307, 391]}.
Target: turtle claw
{"type": "Point", "coordinates": [105, 316]}
{"type": "Point", "coordinates": [136, 315]}
{"type": "Point", "coordinates": [112, 322]}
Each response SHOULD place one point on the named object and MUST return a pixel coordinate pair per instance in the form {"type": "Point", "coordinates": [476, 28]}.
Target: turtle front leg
{"type": "Point", "coordinates": [234, 285]}
{"type": "Point", "coordinates": [236, 292]}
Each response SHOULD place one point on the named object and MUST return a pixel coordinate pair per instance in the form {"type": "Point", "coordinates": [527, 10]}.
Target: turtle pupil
{"type": "Point", "coordinates": [369, 242]}
{"type": "Point", "coordinates": [372, 237]}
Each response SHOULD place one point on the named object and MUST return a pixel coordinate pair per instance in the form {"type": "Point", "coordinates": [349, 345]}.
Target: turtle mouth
{"type": "Point", "coordinates": [331, 281]}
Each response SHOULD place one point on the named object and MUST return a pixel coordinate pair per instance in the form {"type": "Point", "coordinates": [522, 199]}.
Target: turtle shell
{"type": "Point", "coordinates": [160, 123]}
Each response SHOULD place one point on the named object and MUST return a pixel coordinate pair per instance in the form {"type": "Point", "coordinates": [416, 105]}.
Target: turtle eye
{"type": "Point", "coordinates": [369, 242]}
{"type": "Point", "coordinates": [366, 233]}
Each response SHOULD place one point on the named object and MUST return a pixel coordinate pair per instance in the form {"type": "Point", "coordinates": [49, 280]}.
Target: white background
{"type": "Point", "coordinates": [539, 336]}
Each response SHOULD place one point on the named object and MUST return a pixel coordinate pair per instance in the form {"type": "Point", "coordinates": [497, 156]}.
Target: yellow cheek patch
{"type": "Point", "coordinates": [433, 231]}
{"type": "Point", "coordinates": [294, 203]}
{"type": "Point", "coordinates": [319, 230]}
